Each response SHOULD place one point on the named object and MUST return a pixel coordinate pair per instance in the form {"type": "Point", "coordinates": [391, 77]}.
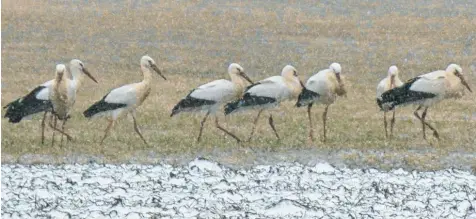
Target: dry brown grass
{"type": "Point", "coordinates": [194, 42]}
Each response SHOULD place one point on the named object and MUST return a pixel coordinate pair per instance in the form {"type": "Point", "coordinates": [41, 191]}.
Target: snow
{"type": "Point", "coordinates": [207, 189]}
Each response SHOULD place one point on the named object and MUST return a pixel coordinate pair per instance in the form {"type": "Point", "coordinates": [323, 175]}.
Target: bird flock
{"type": "Point", "coordinates": [56, 98]}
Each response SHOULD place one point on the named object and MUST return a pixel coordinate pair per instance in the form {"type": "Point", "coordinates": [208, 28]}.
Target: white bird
{"type": "Point", "coordinates": [211, 96]}
{"type": "Point", "coordinates": [61, 95]}
{"type": "Point", "coordinates": [425, 91]}
{"type": "Point", "coordinates": [125, 99]}
{"type": "Point", "coordinates": [38, 99]}
{"type": "Point", "coordinates": [391, 81]}
{"type": "Point", "coordinates": [322, 88]}
{"type": "Point", "coordinates": [268, 93]}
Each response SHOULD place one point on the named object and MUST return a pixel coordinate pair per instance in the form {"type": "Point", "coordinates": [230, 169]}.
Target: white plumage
{"type": "Point", "coordinates": [322, 88]}
{"type": "Point", "coordinates": [125, 99]}
{"type": "Point", "coordinates": [44, 93]}
{"type": "Point", "coordinates": [391, 81]}
{"type": "Point", "coordinates": [211, 96]}
{"type": "Point", "coordinates": [425, 91]}
{"type": "Point", "coordinates": [268, 93]}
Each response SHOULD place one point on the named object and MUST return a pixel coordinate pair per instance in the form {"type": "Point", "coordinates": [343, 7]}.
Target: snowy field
{"type": "Point", "coordinates": [205, 189]}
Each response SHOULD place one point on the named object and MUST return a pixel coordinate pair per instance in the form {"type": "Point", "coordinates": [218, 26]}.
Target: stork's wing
{"type": "Point", "coordinates": [122, 95]}
{"type": "Point", "coordinates": [273, 87]}
{"type": "Point", "coordinates": [216, 91]}
{"type": "Point", "coordinates": [432, 85]}
{"type": "Point", "coordinates": [44, 94]}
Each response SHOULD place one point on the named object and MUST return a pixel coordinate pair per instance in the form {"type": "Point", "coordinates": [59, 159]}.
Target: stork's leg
{"type": "Point", "coordinates": [62, 129]}
{"type": "Point", "coordinates": [108, 130]}
{"type": "Point", "coordinates": [392, 123]}
{"type": "Point", "coordinates": [59, 130]}
{"type": "Point", "coordinates": [254, 125]}
{"type": "Point", "coordinates": [201, 126]}
{"type": "Point", "coordinates": [43, 123]}
{"type": "Point", "coordinates": [271, 123]}
{"type": "Point", "coordinates": [422, 121]}
{"type": "Point", "coordinates": [385, 123]}
{"type": "Point", "coordinates": [54, 129]}
{"type": "Point", "coordinates": [324, 120]}
{"type": "Point", "coordinates": [136, 128]}
{"type": "Point", "coordinates": [310, 122]}
{"type": "Point", "coordinates": [226, 131]}
{"type": "Point", "coordinates": [435, 133]}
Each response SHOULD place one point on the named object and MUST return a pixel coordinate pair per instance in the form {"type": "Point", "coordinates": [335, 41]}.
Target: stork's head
{"type": "Point", "coordinates": [393, 71]}
{"type": "Point", "coordinates": [337, 69]}
{"type": "Point", "coordinates": [291, 73]}
{"type": "Point", "coordinates": [147, 62]}
{"type": "Point", "coordinates": [77, 66]}
{"type": "Point", "coordinates": [60, 68]}
{"type": "Point", "coordinates": [236, 69]}
{"type": "Point", "coordinates": [458, 72]}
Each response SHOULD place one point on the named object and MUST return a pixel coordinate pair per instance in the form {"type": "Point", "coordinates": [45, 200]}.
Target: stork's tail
{"type": "Point", "coordinates": [176, 109]}
{"type": "Point", "coordinates": [306, 97]}
{"type": "Point", "coordinates": [22, 107]}
{"type": "Point", "coordinates": [230, 107]}
{"type": "Point", "coordinates": [14, 112]}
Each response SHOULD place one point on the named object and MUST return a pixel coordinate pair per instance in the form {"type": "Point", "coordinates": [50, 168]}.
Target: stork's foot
{"type": "Point", "coordinates": [437, 136]}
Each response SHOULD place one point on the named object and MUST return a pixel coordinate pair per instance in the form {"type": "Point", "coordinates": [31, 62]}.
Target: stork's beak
{"type": "Point", "coordinates": [341, 90]}
{"type": "Point", "coordinates": [463, 81]}
{"type": "Point", "coordinates": [156, 69]}
{"type": "Point", "coordinates": [86, 72]}
{"type": "Point", "coordinates": [243, 75]}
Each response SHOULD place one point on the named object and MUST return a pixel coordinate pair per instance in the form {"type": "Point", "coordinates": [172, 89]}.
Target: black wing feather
{"type": "Point", "coordinates": [101, 106]}
{"type": "Point", "coordinates": [402, 95]}
{"type": "Point", "coordinates": [27, 105]}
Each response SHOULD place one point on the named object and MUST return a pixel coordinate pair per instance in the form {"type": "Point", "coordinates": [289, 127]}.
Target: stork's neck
{"type": "Point", "coordinates": [238, 81]}
{"type": "Point", "coordinates": [294, 85]}
{"type": "Point", "coordinates": [77, 76]}
{"type": "Point", "coordinates": [146, 73]}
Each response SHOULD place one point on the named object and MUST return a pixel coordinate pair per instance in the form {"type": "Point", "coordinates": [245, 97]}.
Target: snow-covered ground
{"type": "Point", "coordinates": [205, 189]}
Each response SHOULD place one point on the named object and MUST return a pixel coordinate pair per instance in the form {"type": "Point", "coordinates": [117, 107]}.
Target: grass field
{"type": "Point", "coordinates": [193, 42]}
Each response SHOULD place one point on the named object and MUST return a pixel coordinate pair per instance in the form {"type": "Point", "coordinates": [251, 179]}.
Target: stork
{"type": "Point", "coordinates": [124, 100]}
{"type": "Point", "coordinates": [268, 93]}
{"type": "Point", "coordinates": [322, 88]}
{"type": "Point", "coordinates": [211, 96]}
{"type": "Point", "coordinates": [426, 90]}
{"type": "Point", "coordinates": [61, 96]}
{"type": "Point", "coordinates": [391, 81]}
{"type": "Point", "coordinates": [38, 100]}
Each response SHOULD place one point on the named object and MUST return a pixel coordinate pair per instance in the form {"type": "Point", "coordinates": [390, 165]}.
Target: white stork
{"type": "Point", "coordinates": [268, 93]}
{"type": "Point", "coordinates": [211, 96]}
{"type": "Point", "coordinates": [322, 88]}
{"type": "Point", "coordinates": [125, 99]}
{"type": "Point", "coordinates": [61, 95]}
{"type": "Point", "coordinates": [38, 100]}
{"type": "Point", "coordinates": [425, 91]}
{"type": "Point", "coordinates": [391, 81]}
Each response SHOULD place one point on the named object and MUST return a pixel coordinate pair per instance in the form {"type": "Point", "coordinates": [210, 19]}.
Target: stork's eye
{"type": "Point", "coordinates": [81, 64]}
{"type": "Point", "coordinates": [295, 73]}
